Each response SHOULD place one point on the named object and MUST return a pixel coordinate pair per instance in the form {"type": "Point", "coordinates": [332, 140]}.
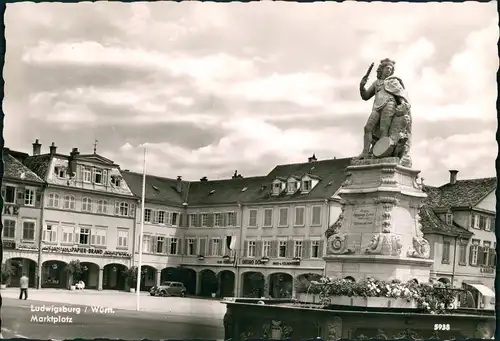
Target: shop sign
{"type": "Point", "coordinates": [253, 262]}
{"type": "Point", "coordinates": [84, 250]}
{"type": "Point", "coordinates": [225, 261]}
{"type": "Point", "coordinates": [26, 247]}
{"type": "Point", "coordinates": [10, 209]}
{"type": "Point", "coordinates": [489, 270]}
{"type": "Point", "coordinates": [293, 262]}
{"type": "Point", "coordinates": [9, 245]}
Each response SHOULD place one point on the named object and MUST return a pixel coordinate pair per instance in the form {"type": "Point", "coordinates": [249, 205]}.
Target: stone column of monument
{"type": "Point", "coordinates": [378, 232]}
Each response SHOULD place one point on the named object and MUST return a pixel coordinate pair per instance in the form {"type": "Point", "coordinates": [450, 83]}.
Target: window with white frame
{"type": "Point", "coordinates": [474, 248]}
{"type": "Point", "coordinates": [191, 247]}
{"type": "Point", "coordinates": [283, 221]}
{"type": "Point", "coordinates": [173, 246]}
{"type": "Point", "coordinates": [486, 253]}
{"type": "Point", "coordinates": [252, 218]}
{"type": "Point", "coordinates": [231, 218]}
{"type": "Point", "coordinates": [315, 253]}
{"type": "Point", "coordinates": [60, 172]}
{"type": "Point", "coordinates": [86, 204]}
{"type": "Point", "coordinates": [28, 231]}
{"type": "Point", "coordinates": [297, 248]}
{"type": "Point", "coordinates": [147, 215]}
{"type": "Point", "coordinates": [299, 216]}
{"type": "Point", "coordinates": [306, 185]}
{"type": "Point", "coordinates": [192, 220]}
{"type": "Point", "coordinates": [316, 216]}
{"type": "Point", "coordinates": [482, 222]}
{"type": "Point", "coordinates": [266, 248]}
{"type": "Point", "coordinates": [445, 259]}
{"type": "Point", "coordinates": [462, 253]}
{"type": "Point", "coordinates": [29, 197]}
{"type": "Point", "coordinates": [69, 202]}
{"type": "Point", "coordinates": [99, 176]}
{"type": "Point", "coordinates": [122, 239]}
{"type": "Point", "coordinates": [276, 188]}
{"type": "Point", "coordinates": [204, 219]}
{"type": "Point", "coordinates": [161, 217]}
{"type": "Point", "coordinates": [292, 186]}
{"type": "Point", "coordinates": [9, 228]}
{"type": "Point", "coordinates": [87, 175]}
{"type": "Point", "coordinates": [174, 218]}
{"type": "Point", "coordinates": [490, 222]}
{"type": "Point", "coordinates": [115, 180]}
{"type": "Point", "coordinates": [473, 221]}
{"type": "Point", "coordinates": [268, 217]}
{"type": "Point", "coordinates": [216, 247]}
{"type": "Point", "coordinates": [102, 206]}
{"type": "Point", "coordinates": [68, 234]}
{"type": "Point", "coordinates": [49, 234]}
{"type": "Point", "coordinates": [282, 249]}
{"type": "Point", "coordinates": [251, 248]}
{"type": "Point", "coordinates": [122, 209]}
{"type": "Point", "coordinates": [98, 237]}
{"type": "Point", "coordinates": [53, 200]}
{"type": "Point", "coordinates": [84, 238]}
{"type": "Point", "coordinates": [146, 243]}
{"type": "Point", "coordinates": [217, 219]}
{"type": "Point", "coordinates": [10, 195]}
{"type": "Point", "coordinates": [160, 244]}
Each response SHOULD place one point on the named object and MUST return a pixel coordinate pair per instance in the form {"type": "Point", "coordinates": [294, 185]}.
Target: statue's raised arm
{"type": "Point", "coordinates": [388, 129]}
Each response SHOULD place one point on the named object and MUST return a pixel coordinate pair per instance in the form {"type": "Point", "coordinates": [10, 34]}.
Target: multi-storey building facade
{"type": "Point", "coordinates": [88, 213]}
{"type": "Point", "coordinates": [22, 192]}
{"type": "Point", "coordinates": [459, 222]}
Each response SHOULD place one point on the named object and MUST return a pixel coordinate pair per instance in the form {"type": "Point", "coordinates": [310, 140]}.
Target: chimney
{"type": "Point", "coordinates": [179, 184]}
{"type": "Point", "coordinates": [312, 158]}
{"type": "Point", "coordinates": [72, 161]}
{"type": "Point", "coordinates": [453, 176]}
{"type": "Point", "coordinates": [36, 147]}
{"type": "Point", "coordinates": [53, 148]}
{"type": "Point", "coordinates": [204, 179]}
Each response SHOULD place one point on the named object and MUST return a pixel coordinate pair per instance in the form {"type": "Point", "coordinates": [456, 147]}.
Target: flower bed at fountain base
{"type": "Point", "coordinates": [265, 319]}
{"type": "Point", "coordinates": [357, 301]}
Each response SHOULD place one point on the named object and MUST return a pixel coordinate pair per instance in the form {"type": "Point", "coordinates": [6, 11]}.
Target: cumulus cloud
{"type": "Point", "coordinates": [209, 88]}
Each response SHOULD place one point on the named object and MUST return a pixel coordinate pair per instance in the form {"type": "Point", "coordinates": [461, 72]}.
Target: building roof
{"type": "Point", "coordinates": [15, 170]}
{"type": "Point", "coordinates": [431, 223]}
{"type": "Point", "coordinates": [39, 164]}
{"type": "Point", "coordinates": [158, 189]}
{"type": "Point", "coordinates": [229, 191]}
{"type": "Point", "coordinates": [465, 193]}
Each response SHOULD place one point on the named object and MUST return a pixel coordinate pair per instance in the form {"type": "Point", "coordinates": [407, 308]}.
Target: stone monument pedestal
{"type": "Point", "coordinates": [378, 232]}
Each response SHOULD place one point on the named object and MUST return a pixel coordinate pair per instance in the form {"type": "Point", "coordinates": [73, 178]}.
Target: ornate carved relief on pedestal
{"type": "Point", "coordinates": [276, 330]}
{"type": "Point", "coordinates": [418, 185]}
{"type": "Point", "coordinates": [407, 334]}
{"type": "Point", "coordinates": [420, 247]}
{"type": "Point", "coordinates": [388, 244]}
{"type": "Point", "coordinates": [381, 335]}
{"type": "Point", "coordinates": [335, 227]}
{"type": "Point", "coordinates": [334, 329]}
{"type": "Point", "coordinates": [483, 330]}
{"type": "Point", "coordinates": [348, 180]}
{"type": "Point", "coordinates": [387, 203]}
{"type": "Point", "coordinates": [337, 245]}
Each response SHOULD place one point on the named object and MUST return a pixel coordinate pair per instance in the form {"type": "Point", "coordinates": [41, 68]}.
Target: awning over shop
{"type": "Point", "coordinates": [483, 289]}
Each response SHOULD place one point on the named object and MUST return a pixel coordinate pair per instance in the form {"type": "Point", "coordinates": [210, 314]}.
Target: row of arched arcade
{"type": "Point", "coordinates": [205, 282]}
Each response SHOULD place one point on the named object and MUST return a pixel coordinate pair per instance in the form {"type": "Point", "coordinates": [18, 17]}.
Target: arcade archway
{"type": "Point", "coordinates": [114, 277]}
{"type": "Point", "coordinates": [22, 266]}
{"type": "Point", "coordinates": [208, 283]}
{"type": "Point", "coordinates": [89, 275]}
{"type": "Point", "coordinates": [54, 274]}
{"type": "Point", "coordinates": [226, 280]}
{"type": "Point", "coordinates": [253, 284]}
{"type": "Point", "coordinates": [280, 285]}
{"type": "Point", "coordinates": [180, 274]}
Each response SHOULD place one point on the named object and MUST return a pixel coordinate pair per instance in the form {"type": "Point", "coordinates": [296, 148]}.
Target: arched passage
{"type": "Point", "coordinates": [280, 285]}
{"type": "Point", "coordinates": [208, 283]}
{"type": "Point", "coordinates": [54, 274]}
{"type": "Point", "coordinates": [114, 277]}
{"type": "Point", "coordinates": [304, 281]}
{"type": "Point", "coordinates": [89, 275]}
{"type": "Point", "coordinates": [180, 274]}
{"type": "Point", "coordinates": [226, 280]}
{"type": "Point", "coordinates": [148, 278]}
{"type": "Point", "coordinates": [253, 284]}
{"type": "Point", "coordinates": [444, 280]}
{"type": "Point", "coordinates": [19, 267]}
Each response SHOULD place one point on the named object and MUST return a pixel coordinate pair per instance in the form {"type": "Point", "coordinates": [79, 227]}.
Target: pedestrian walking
{"type": "Point", "coordinates": [24, 281]}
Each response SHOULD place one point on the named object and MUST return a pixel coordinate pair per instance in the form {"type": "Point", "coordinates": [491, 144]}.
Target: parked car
{"type": "Point", "coordinates": [169, 289]}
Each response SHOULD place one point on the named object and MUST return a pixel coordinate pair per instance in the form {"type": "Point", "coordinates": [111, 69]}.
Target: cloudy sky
{"type": "Point", "coordinates": [211, 88]}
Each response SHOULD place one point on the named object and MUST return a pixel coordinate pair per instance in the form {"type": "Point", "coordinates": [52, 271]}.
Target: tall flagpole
{"type": "Point", "coordinates": [139, 266]}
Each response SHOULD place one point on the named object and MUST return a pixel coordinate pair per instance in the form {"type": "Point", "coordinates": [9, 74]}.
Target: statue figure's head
{"type": "Point", "coordinates": [385, 68]}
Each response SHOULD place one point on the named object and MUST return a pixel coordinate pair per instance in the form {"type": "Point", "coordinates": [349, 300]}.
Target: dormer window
{"type": "Point", "coordinates": [276, 188]}
{"type": "Point", "coordinates": [306, 185]}
{"type": "Point", "coordinates": [87, 175]}
{"type": "Point", "coordinates": [115, 180]}
{"type": "Point", "coordinates": [292, 187]}
{"type": "Point", "coordinates": [98, 176]}
{"type": "Point", "coordinates": [449, 219]}
{"type": "Point", "coordinates": [60, 172]}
